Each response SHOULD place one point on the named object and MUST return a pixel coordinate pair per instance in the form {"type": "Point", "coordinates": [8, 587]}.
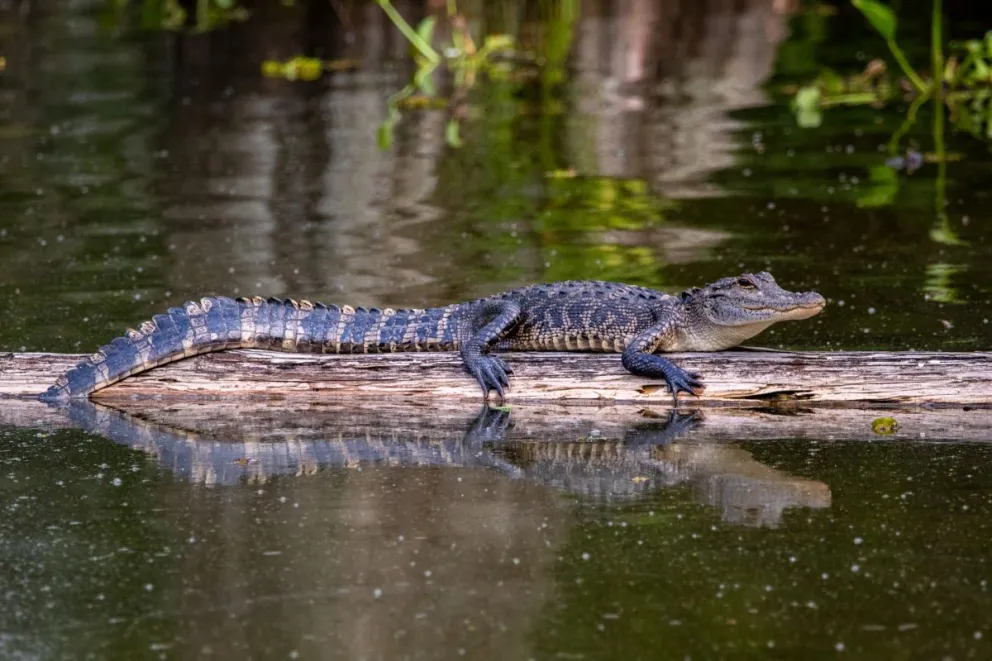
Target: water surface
{"type": "Point", "coordinates": [140, 169]}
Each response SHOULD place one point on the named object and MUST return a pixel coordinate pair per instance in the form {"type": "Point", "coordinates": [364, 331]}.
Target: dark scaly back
{"type": "Point", "coordinates": [216, 323]}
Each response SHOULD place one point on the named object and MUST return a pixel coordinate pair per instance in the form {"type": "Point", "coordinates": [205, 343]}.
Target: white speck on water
{"type": "Point", "coordinates": [977, 635]}
{"type": "Point", "coordinates": [149, 587]}
{"type": "Point", "coordinates": [516, 561]}
{"type": "Point", "coordinates": [858, 540]}
{"type": "Point", "coordinates": [855, 568]}
{"type": "Point", "coordinates": [271, 553]}
{"type": "Point", "coordinates": [586, 556]}
{"type": "Point", "coordinates": [839, 647]}
{"type": "Point", "coordinates": [377, 593]}
{"type": "Point", "coordinates": [792, 558]}
{"type": "Point", "coordinates": [117, 481]}
{"type": "Point", "coordinates": [427, 573]}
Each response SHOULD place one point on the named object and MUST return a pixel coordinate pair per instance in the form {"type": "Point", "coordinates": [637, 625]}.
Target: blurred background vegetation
{"type": "Point", "coordinates": [414, 152]}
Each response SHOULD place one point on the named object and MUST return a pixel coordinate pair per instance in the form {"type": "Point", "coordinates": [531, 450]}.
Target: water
{"type": "Point", "coordinates": [140, 169]}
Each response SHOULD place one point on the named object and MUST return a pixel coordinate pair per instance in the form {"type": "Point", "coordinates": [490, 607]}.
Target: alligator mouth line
{"type": "Point", "coordinates": [791, 308]}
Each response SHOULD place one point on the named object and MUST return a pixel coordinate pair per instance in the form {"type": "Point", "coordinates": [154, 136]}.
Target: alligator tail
{"type": "Point", "coordinates": [216, 323]}
{"type": "Point", "coordinates": [211, 324]}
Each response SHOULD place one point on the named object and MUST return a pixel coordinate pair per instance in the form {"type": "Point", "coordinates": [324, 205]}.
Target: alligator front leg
{"type": "Point", "coordinates": [639, 357]}
{"type": "Point", "coordinates": [493, 320]}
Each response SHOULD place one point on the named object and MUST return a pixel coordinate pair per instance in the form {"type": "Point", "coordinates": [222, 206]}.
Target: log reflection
{"type": "Point", "coordinates": [214, 443]}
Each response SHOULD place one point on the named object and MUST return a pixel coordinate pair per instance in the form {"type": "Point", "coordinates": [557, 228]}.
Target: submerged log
{"type": "Point", "coordinates": [750, 378]}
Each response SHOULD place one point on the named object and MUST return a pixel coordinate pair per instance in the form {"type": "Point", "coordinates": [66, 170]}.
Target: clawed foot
{"type": "Point", "coordinates": [654, 366]}
{"type": "Point", "coordinates": [491, 372]}
{"type": "Point", "coordinates": [681, 381]}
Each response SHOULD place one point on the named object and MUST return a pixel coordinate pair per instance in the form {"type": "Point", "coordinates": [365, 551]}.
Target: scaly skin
{"type": "Point", "coordinates": [634, 321]}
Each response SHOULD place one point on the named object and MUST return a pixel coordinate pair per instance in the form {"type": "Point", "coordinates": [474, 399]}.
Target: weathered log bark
{"type": "Point", "coordinates": [732, 377]}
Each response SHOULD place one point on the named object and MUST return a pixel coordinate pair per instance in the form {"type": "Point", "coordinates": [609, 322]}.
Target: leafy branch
{"type": "Point", "coordinates": [962, 81]}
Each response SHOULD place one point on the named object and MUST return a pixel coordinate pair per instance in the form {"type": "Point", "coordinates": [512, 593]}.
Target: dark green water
{"type": "Point", "coordinates": [138, 170]}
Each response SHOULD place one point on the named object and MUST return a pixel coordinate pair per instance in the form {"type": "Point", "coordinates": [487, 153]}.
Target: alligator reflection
{"type": "Point", "coordinates": [215, 443]}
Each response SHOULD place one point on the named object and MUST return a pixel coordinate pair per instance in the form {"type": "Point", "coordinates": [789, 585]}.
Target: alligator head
{"type": "Point", "coordinates": [732, 310]}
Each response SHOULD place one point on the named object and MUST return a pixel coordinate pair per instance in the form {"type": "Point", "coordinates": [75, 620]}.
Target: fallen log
{"type": "Point", "coordinates": [748, 378]}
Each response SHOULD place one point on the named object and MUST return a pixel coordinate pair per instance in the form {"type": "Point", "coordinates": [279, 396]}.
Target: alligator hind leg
{"type": "Point", "coordinates": [493, 320]}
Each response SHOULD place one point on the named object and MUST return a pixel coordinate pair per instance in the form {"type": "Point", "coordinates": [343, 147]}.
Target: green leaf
{"type": "Point", "coordinates": [973, 46]}
{"type": "Point", "coordinates": [423, 80]}
{"type": "Point", "coordinates": [884, 426]}
{"type": "Point", "coordinates": [451, 133]}
{"type": "Point", "coordinates": [879, 15]}
{"type": "Point", "coordinates": [426, 29]}
{"type": "Point", "coordinates": [988, 43]}
{"type": "Point", "coordinates": [806, 105]}
{"type": "Point", "coordinates": [224, 4]}
{"type": "Point", "coordinates": [807, 98]}
{"type": "Point", "coordinates": [882, 188]}
{"type": "Point", "coordinates": [384, 136]}
{"type": "Point", "coordinates": [980, 72]}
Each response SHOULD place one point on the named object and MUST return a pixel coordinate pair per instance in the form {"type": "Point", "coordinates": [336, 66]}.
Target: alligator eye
{"type": "Point", "coordinates": [744, 283]}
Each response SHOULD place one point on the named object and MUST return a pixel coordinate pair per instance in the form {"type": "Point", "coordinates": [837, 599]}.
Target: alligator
{"type": "Point", "coordinates": [636, 322]}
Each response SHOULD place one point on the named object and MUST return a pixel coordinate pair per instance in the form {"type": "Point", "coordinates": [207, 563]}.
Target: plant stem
{"type": "Point", "coordinates": [853, 98]}
{"type": "Point", "coordinates": [425, 48]}
{"type": "Point", "coordinates": [914, 78]}
{"type": "Point", "coordinates": [937, 48]}
{"type": "Point", "coordinates": [908, 122]}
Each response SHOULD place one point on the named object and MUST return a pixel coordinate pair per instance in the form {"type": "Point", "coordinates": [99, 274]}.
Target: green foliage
{"type": "Point", "coordinates": [883, 20]}
{"type": "Point", "coordinates": [879, 15]}
{"type": "Point", "coordinates": [806, 105]}
{"type": "Point", "coordinates": [467, 63]}
{"type": "Point", "coordinates": [963, 83]}
{"type": "Point", "coordinates": [170, 15]}
{"type": "Point", "coordinates": [459, 55]}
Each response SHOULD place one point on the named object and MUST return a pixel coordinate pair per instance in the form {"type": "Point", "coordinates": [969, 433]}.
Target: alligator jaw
{"type": "Point", "coordinates": [808, 304]}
